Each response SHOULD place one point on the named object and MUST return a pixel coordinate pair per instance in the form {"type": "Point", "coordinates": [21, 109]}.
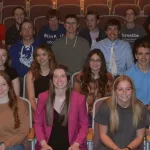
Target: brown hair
{"type": "Point", "coordinates": [92, 13]}
{"type": "Point", "coordinates": [65, 107]}
{"type": "Point", "coordinates": [8, 61]}
{"type": "Point", "coordinates": [19, 7]}
{"type": "Point", "coordinates": [72, 16]}
{"type": "Point", "coordinates": [87, 74]}
{"type": "Point", "coordinates": [52, 13]}
{"type": "Point", "coordinates": [35, 66]}
{"type": "Point", "coordinates": [113, 22]}
{"type": "Point", "coordinates": [13, 101]}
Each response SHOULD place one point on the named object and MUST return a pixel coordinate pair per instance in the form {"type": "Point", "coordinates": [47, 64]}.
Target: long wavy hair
{"type": "Point", "coordinates": [35, 66]}
{"type": "Point", "coordinates": [8, 60]}
{"type": "Point", "coordinates": [88, 75]}
{"type": "Point", "coordinates": [65, 106]}
{"type": "Point", "coordinates": [135, 105]}
{"type": "Point", "coordinates": [13, 100]}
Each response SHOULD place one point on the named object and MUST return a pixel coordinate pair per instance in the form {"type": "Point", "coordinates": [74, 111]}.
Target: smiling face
{"type": "Point", "coordinates": [3, 57]}
{"type": "Point", "coordinates": [60, 79]}
{"type": "Point", "coordinates": [124, 93]}
{"type": "Point", "coordinates": [112, 32]}
{"type": "Point", "coordinates": [42, 57]}
{"type": "Point", "coordinates": [130, 16]}
{"type": "Point", "coordinates": [19, 15]}
{"type": "Point", "coordinates": [4, 88]}
{"type": "Point", "coordinates": [143, 57]}
{"type": "Point", "coordinates": [95, 63]}
{"type": "Point", "coordinates": [71, 25]}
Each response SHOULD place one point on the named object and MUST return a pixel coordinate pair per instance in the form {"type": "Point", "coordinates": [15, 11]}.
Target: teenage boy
{"type": "Point", "coordinates": [71, 50]}
{"type": "Point", "coordinates": [12, 33]}
{"type": "Point", "coordinates": [131, 31]}
{"type": "Point", "coordinates": [140, 72]}
{"type": "Point", "coordinates": [22, 51]}
{"type": "Point", "coordinates": [92, 33]}
{"type": "Point", "coordinates": [53, 30]}
{"type": "Point", "coordinates": [117, 53]}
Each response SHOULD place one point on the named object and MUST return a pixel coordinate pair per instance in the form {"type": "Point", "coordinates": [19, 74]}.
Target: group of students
{"type": "Point", "coordinates": [61, 118]}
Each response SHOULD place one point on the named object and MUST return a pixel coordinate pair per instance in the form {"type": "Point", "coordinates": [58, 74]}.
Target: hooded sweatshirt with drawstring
{"type": "Point", "coordinates": [22, 56]}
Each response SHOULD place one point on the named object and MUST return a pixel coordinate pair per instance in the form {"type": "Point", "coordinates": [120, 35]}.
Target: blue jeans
{"type": "Point", "coordinates": [17, 147]}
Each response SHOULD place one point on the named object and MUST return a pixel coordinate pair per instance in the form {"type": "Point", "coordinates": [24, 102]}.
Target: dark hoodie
{"type": "Point", "coordinates": [22, 56]}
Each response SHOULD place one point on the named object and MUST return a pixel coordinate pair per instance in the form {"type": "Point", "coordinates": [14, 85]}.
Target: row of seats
{"type": "Point", "coordinates": [141, 3]}
{"type": "Point", "coordinates": [35, 11]}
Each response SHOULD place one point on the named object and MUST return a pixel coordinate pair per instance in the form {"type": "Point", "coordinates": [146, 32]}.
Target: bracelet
{"type": "Point", "coordinates": [128, 148]}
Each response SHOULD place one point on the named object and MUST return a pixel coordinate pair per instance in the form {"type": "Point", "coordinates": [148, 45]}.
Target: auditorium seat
{"type": "Point", "coordinates": [116, 2]}
{"type": "Point", "coordinates": [64, 2]}
{"type": "Point", "coordinates": [38, 10]}
{"type": "Point", "coordinates": [39, 22]}
{"type": "Point", "coordinates": [41, 2]}
{"type": "Point", "coordinates": [146, 9]}
{"type": "Point", "coordinates": [140, 20]}
{"type": "Point", "coordinates": [14, 2]}
{"type": "Point", "coordinates": [7, 11]}
{"type": "Point", "coordinates": [89, 2]}
{"type": "Point", "coordinates": [9, 21]}
{"type": "Point", "coordinates": [142, 3]}
{"type": "Point", "coordinates": [82, 23]}
{"type": "Point", "coordinates": [120, 9]}
{"type": "Point", "coordinates": [68, 8]}
{"type": "Point", "coordinates": [101, 9]}
{"type": "Point", "coordinates": [104, 18]}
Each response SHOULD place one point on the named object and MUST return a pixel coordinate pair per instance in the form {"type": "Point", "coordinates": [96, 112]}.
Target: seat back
{"type": "Point", "coordinates": [95, 125]}
{"type": "Point", "coordinates": [72, 78]}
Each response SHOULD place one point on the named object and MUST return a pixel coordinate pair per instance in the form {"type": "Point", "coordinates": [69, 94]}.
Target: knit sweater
{"type": "Point", "coordinates": [8, 134]}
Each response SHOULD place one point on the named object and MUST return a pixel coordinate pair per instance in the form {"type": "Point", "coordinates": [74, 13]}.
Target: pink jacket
{"type": "Point", "coordinates": [77, 120]}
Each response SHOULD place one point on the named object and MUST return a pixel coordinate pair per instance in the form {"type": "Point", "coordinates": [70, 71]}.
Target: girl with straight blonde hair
{"type": "Point", "coordinates": [122, 118]}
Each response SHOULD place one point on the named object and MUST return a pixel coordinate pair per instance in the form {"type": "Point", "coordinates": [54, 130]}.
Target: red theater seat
{"type": "Point", "coordinates": [115, 2]}
{"type": "Point", "coordinates": [120, 9]}
{"type": "Point", "coordinates": [89, 2]}
{"type": "Point", "coordinates": [64, 2]}
{"type": "Point", "coordinates": [14, 2]}
{"type": "Point", "coordinates": [101, 9]}
{"type": "Point", "coordinates": [39, 22]}
{"type": "Point", "coordinates": [7, 11]}
{"type": "Point", "coordinates": [142, 3]}
{"type": "Point", "coordinates": [9, 21]}
{"type": "Point", "coordinates": [38, 10]}
{"type": "Point", "coordinates": [146, 9]}
{"type": "Point", "coordinates": [40, 2]}
{"type": "Point", "coordinates": [104, 18]}
{"type": "Point", "coordinates": [82, 23]}
{"type": "Point", "coordinates": [68, 8]}
{"type": "Point", "coordinates": [140, 20]}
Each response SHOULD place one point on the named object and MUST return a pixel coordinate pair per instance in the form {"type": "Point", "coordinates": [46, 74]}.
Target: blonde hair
{"type": "Point", "coordinates": [135, 105]}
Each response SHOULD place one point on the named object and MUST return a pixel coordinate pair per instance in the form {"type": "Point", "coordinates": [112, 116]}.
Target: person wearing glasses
{"type": "Point", "coordinates": [131, 31]}
{"type": "Point", "coordinates": [94, 81]}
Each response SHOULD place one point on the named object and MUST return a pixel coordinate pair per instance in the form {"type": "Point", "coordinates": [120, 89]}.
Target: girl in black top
{"type": "Point", "coordinates": [37, 79]}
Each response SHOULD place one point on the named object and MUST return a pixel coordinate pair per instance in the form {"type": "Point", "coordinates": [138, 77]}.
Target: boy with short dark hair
{"type": "Point", "coordinates": [92, 33]}
{"type": "Point", "coordinates": [53, 30]}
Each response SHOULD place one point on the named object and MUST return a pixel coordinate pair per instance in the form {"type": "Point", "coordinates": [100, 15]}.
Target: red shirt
{"type": "Point", "coordinates": [2, 32]}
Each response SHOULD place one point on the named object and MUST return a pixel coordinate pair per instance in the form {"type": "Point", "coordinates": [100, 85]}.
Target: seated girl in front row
{"type": "Point", "coordinates": [122, 118]}
{"type": "Point", "coordinates": [14, 117]}
{"type": "Point", "coordinates": [61, 120]}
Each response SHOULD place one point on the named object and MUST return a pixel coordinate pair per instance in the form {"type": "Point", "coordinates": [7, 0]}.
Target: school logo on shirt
{"type": "Point", "coordinates": [26, 55]}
